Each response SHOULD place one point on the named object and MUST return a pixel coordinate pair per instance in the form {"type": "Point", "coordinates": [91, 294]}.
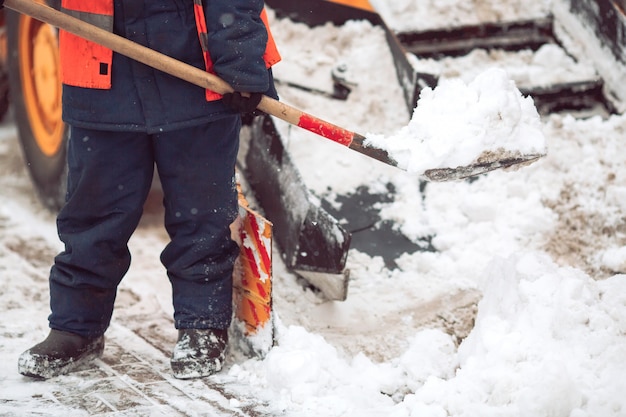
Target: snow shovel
{"type": "Point", "coordinates": [268, 105]}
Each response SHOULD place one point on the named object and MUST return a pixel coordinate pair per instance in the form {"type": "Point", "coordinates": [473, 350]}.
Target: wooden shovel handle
{"type": "Point", "coordinates": [193, 75]}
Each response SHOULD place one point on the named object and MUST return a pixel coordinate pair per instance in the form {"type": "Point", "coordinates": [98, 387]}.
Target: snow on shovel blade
{"type": "Point", "coordinates": [459, 130]}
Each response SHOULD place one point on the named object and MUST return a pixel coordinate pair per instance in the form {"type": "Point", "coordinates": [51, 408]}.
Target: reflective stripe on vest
{"type": "Point", "coordinates": [271, 55]}
{"type": "Point", "coordinates": [85, 63]}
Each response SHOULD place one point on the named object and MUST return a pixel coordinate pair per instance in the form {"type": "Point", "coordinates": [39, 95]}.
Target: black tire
{"type": "Point", "coordinates": [47, 167]}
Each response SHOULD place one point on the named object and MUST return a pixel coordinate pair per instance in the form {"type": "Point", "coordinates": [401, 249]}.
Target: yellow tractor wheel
{"type": "Point", "coordinates": [33, 62]}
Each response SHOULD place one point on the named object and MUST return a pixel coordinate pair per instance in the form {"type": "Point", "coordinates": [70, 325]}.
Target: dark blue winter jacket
{"type": "Point", "coordinates": [147, 100]}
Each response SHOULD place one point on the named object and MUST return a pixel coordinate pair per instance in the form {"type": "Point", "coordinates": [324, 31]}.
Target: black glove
{"type": "Point", "coordinates": [1, 4]}
{"type": "Point", "coordinates": [242, 104]}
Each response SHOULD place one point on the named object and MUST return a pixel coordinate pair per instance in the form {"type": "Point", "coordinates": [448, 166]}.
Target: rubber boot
{"type": "Point", "coordinates": [199, 352]}
{"type": "Point", "coordinates": [60, 353]}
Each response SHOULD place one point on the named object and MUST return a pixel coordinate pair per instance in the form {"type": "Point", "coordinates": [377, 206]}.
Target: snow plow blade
{"type": "Point", "coordinates": [312, 243]}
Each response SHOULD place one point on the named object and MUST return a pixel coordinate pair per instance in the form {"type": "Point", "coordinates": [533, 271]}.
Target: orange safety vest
{"type": "Point", "coordinates": [87, 64]}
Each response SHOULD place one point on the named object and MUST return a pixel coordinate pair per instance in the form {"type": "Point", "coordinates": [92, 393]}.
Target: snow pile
{"type": "Point", "coordinates": [547, 342]}
{"type": "Point", "coordinates": [457, 123]}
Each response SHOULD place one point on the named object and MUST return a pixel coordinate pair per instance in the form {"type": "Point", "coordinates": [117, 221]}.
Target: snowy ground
{"type": "Point", "coordinates": [520, 311]}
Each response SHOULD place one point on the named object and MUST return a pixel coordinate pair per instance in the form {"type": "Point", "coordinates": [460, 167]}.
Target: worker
{"type": "Point", "coordinates": [125, 118]}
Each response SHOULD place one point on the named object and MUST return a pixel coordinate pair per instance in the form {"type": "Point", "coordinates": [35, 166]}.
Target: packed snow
{"type": "Point", "coordinates": [520, 311]}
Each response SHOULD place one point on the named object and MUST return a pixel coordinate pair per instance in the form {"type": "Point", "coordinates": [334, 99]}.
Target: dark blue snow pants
{"type": "Point", "coordinates": [110, 175]}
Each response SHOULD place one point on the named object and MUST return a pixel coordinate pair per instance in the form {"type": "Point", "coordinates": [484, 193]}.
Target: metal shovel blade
{"type": "Point", "coordinates": [488, 161]}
